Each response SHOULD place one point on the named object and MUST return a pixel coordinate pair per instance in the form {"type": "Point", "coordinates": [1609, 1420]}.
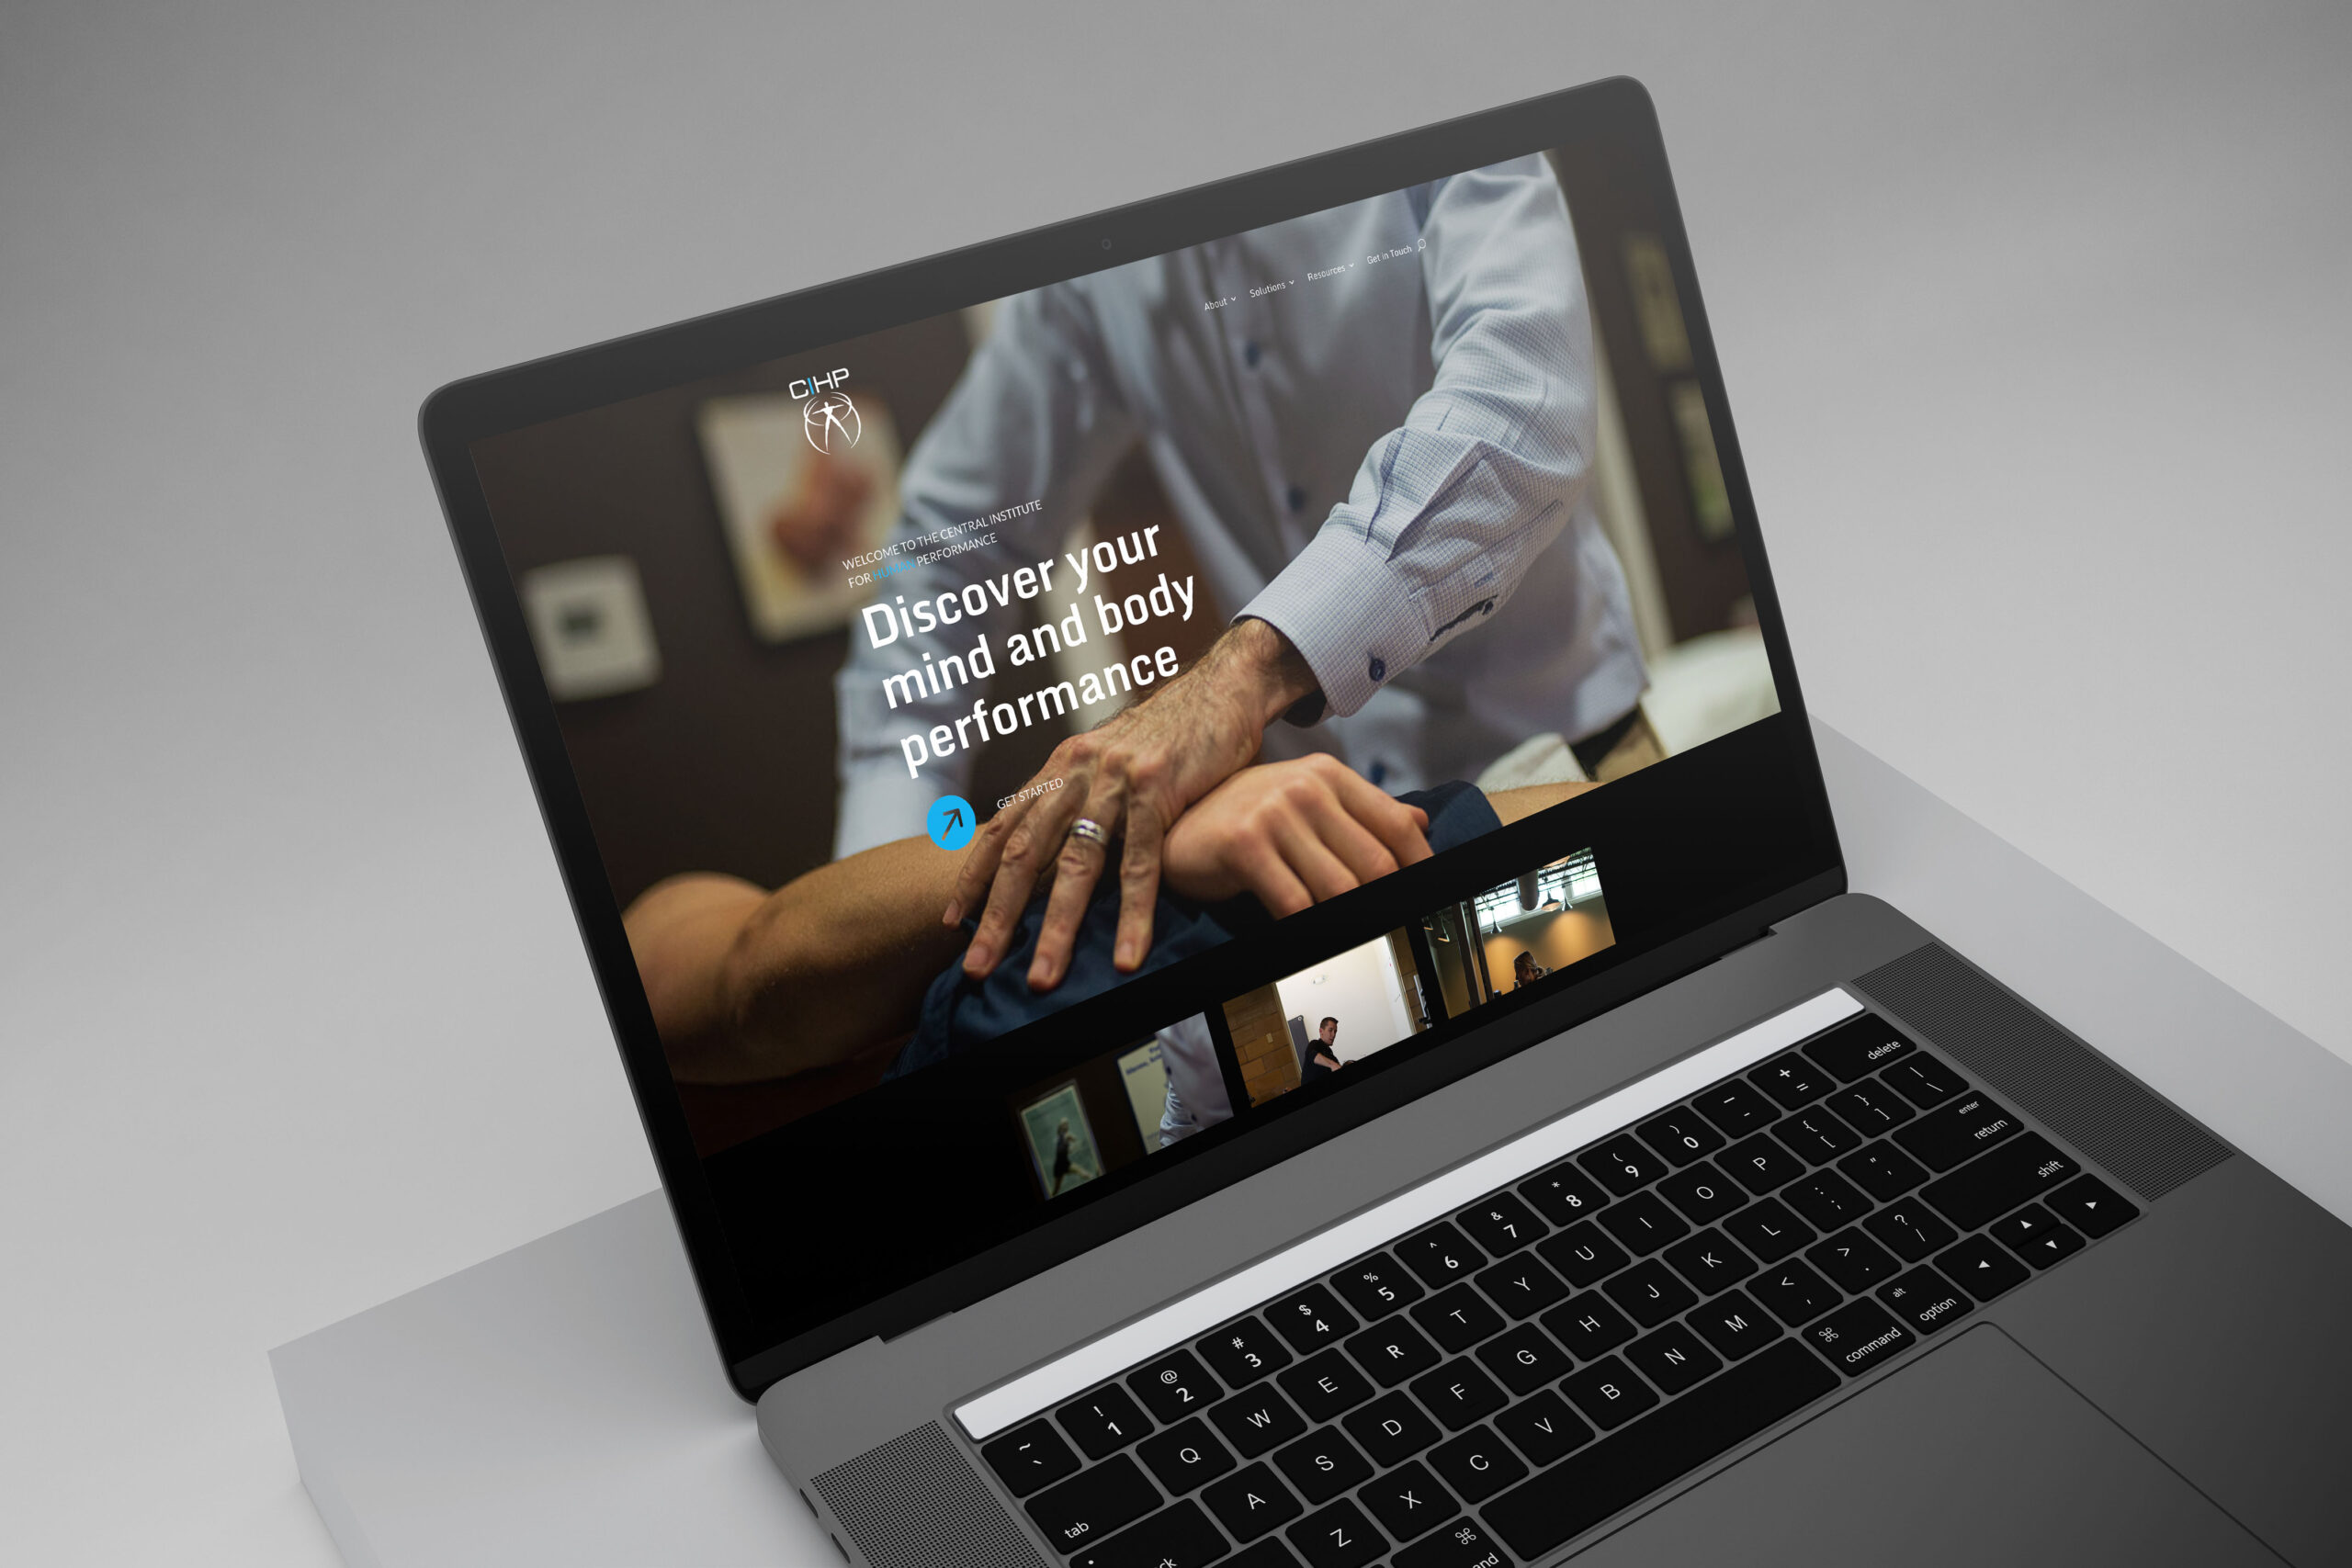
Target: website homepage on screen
{"type": "Point", "coordinates": [1031, 742]}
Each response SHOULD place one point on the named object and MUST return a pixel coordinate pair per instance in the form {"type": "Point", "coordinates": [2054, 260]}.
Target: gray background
{"type": "Point", "coordinates": [2035, 327]}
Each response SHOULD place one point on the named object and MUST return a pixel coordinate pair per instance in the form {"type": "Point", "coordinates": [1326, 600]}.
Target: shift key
{"type": "Point", "coordinates": [1992, 1184]}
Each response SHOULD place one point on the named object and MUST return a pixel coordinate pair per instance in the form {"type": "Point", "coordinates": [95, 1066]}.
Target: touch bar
{"type": "Point", "coordinates": [1181, 1320]}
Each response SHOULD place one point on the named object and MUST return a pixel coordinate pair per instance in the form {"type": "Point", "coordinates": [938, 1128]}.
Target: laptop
{"type": "Point", "coordinates": [1198, 830]}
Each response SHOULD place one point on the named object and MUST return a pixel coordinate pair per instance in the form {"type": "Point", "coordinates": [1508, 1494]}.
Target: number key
{"type": "Point", "coordinates": [1563, 1194]}
{"type": "Point", "coordinates": [1175, 1386]}
{"type": "Point", "coordinates": [1310, 1319]}
{"type": "Point", "coordinates": [1242, 1352]}
{"type": "Point", "coordinates": [1624, 1165]}
{"type": "Point", "coordinates": [1502, 1224]}
{"type": "Point", "coordinates": [1441, 1255]}
{"type": "Point", "coordinates": [1375, 1286]}
{"type": "Point", "coordinates": [1104, 1422]}
{"type": "Point", "coordinates": [1682, 1135]}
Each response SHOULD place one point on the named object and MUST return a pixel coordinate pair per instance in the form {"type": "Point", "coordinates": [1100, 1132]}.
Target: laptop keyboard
{"type": "Point", "coordinates": [1495, 1382]}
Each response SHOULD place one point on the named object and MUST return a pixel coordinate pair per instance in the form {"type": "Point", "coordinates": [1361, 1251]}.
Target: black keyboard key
{"type": "Point", "coordinates": [1792, 1081]}
{"type": "Point", "coordinates": [1502, 1224]}
{"type": "Point", "coordinates": [1525, 1359]}
{"type": "Point", "coordinates": [1181, 1537]}
{"type": "Point", "coordinates": [1960, 1130]}
{"type": "Point", "coordinates": [1856, 1050]}
{"type": "Point", "coordinates": [1029, 1457]}
{"type": "Point", "coordinates": [1337, 1535]}
{"type": "Point", "coordinates": [1883, 1170]}
{"type": "Point", "coordinates": [1643, 1223]}
{"type": "Point", "coordinates": [1760, 1164]}
{"type": "Point", "coordinates": [1871, 1109]}
{"type": "Point", "coordinates": [1992, 1184]}
{"type": "Point", "coordinates": [1826, 1199]}
{"type": "Point", "coordinates": [1392, 1351]}
{"type": "Point", "coordinates": [1735, 1326]}
{"type": "Point", "coordinates": [1793, 1292]}
{"type": "Point", "coordinates": [1910, 1229]}
{"type": "Point", "coordinates": [1391, 1430]}
{"type": "Point", "coordinates": [1737, 1110]}
{"type": "Point", "coordinates": [1923, 1080]}
{"type": "Point", "coordinates": [1710, 1261]}
{"type": "Point", "coordinates": [1324, 1386]}
{"type": "Point", "coordinates": [1375, 1286]}
{"type": "Point", "coordinates": [1701, 1193]}
{"type": "Point", "coordinates": [1464, 1543]}
{"type": "Point", "coordinates": [1624, 1164]}
{"type": "Point", "coordinates": [1609, 1394]}
{"type": "Point", "coordinates": [1185, 1456]}
{"type": "Point", "coordinates": [1094, 1504]}
{"type": "Point", "coordinates": [1268, 1554]}
{"type": "Point", "coordinates": [1441, 1255]}
{"type": "Point", "coordinates": [1650, 1292]}
{"type": "Point", "coordinates": [1981, 1268]}
{"type": "Point", "coordinates": [1584, 1254]}
{"type": "Point", "coordinates": [1674, 1358]}
{"type": "Point", "coordinates": [1175, 1386]}
{"type": "Point", "coordinates": [1680, 1135]}
{"type": "Point", "coordinates": [1458, 1318]}
{"type": "Point", "coordinates": [1243, 1352]}
{"type": "Point", "coordinates": [1311, 1319]}
{"type": "Point", "coordinates": [1589, 1326]}
{"type": "Point", "coordinates": [1104, 1422]}
{"type": "Point", "coordinates": [1257, 1419]}
{"type": "Point", "coordinates": [1563, 1194]}
{"type": "Point", "coordinates": [1409, 1502]}
{"type": "Point", "coordinates": [1478, 1464]}
{"type": "Point", "coordinates": [1858, 1336]}
{"type": "Point", "coordinates": [1544, 1428]}
{"type": "Point", "coordinates": [1720, 1413]}
{"type": "Point", "coordinates": [1854, 1261]}
{"type": "Point", "coordinates": [2036, 1234]}
{"type": "Point", "coordinates": [1321, 1465]}
{"type": "Point", "coordinates": [1925, 1299]}
{"type": "Point", "coordinates": [1251, 1502]}
{"type": "Point", "coordinates": [1522, 1286]}
{"type": "Point", "coordinates": [2091, 1206]}
{"type": "Point", "coordinates": [1816, 1136]}
{"type": "Point", "coordinates": [1458, 1394]}
{"type": "Point", "coordinates": [1769, 1230]}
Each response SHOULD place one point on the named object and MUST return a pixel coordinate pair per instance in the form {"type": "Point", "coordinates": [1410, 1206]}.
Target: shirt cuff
{"type": "Point", "coordinates": [1349, 614]}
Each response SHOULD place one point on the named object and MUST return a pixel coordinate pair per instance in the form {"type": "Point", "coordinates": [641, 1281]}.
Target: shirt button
{"type": "Point", "coordinates": [1379, 668]}
{"type": "Point", "coordinates": [1297, 499]}
{"type": "Point", "coordinates": [1250, 355]}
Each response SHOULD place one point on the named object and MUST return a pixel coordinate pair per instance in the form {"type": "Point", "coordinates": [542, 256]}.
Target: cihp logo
{"type": "Point", "coordinates": [828, 414]}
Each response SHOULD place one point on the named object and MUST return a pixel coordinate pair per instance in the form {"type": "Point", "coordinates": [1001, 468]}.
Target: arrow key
{"type": "Point", "coordinates": [1981, 1268]}
{"type": "Point", "coordinates": [2091, 1206]}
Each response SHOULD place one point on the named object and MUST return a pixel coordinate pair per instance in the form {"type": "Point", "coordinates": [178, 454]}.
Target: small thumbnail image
{"type": "Point", "coordinates": [1061, 1144]}
{"type": "Point", "coordinates": [1519, 933]}
{"type": "Point", "coordinates": [1308, 1026]}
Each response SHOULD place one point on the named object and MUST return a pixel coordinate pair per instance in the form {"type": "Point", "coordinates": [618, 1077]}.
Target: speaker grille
{"type": "Point", "coordinates": [2084, 1097]}
{"type": "Point", "coordinates": [916, 1501]}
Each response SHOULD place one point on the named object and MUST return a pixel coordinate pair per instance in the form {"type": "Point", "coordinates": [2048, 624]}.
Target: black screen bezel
{"type": "Point", "coordinates": [1618, 110]}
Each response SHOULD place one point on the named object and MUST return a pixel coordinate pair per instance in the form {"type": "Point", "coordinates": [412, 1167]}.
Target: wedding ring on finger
{"type": "Point", "coordinates": [1093, 833]}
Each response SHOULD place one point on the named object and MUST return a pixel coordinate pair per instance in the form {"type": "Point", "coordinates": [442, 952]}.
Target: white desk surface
{"type": "Point", "coordinates": [562, 1402]}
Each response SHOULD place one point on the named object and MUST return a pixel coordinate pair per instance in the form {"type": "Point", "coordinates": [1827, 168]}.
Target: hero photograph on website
{"type": "Point", "coordinates": [931, 685]}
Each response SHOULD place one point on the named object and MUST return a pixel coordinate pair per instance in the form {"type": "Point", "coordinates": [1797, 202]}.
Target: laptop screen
{"type": "Point", "coordinates": [1360, 602]}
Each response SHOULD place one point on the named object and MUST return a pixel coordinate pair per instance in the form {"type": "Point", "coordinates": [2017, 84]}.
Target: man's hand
{"type": "Point", "coordinates": [1136, 773]}
{"type": "Point", "coordinates": [1293, 833]}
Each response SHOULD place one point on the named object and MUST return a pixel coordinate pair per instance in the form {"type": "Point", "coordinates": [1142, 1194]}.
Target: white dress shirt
{"type": "Point", "coordinates": [1388, 464]}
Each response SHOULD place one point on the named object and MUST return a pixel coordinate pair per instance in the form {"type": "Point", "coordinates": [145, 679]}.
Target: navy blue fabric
{"type": "Point", "coordinates": [960, 1014]}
